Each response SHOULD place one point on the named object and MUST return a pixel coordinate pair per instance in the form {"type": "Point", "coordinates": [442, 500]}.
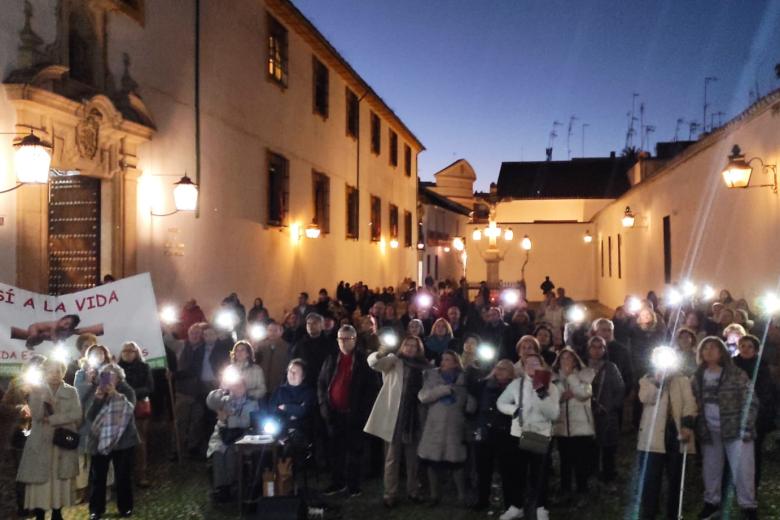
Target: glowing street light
{"type": "Point", "coordinates": [628, 218]}
{"type": "Point", "coordinates": [393, 243]}
{"type": "Point", "coordinates": [525, 243]}
{"type": "Point", "coordinates": [738, 171]}
{"type": "Point", "coordinates": [458, 244]}
{"type": "Point", "coordinates": [509, 234]}
{"type": "Point", "coordinates": [446, 249]}
{"type": "Point", "coordinates": [587, 238]}
{"type": "Point", "coordinates": [476, 235]}
{"type": "Point", "coordinates": [312, 230]}
{"type": "Point", "coordinates": [185, 195]}
{"type": "Point", "coordinates": [32, 160]}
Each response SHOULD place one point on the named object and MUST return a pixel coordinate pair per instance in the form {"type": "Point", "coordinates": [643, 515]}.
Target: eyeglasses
{"type": "Point", "coordinates": [347, 338]}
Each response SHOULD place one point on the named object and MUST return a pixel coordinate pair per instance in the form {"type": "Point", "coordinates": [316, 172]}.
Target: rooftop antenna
{"type": "Point", "coordinates": [584, 126]}
{"type": "Point", "coordinates": [553, 135]}
{"type": "Point", "coordinates": [707, 81]}
{"type": "Point", "coordinates": [680, 122]}
{"type": "Point", "coordinates": [693, 126]}
{"type": "Point", "coordinates": [720, 115]}
{"type": "Point", "coordinates": [631, 119]}
{"type": "Point", "coordinates": [641, 126]}
{"type": "Point", "coordinates": [649, 129]}
{"type": "Point", "coordinates": [569, 133]}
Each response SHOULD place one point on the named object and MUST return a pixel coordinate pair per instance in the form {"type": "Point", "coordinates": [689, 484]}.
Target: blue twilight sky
{"type": "Point", "coordinates": [484, 80]}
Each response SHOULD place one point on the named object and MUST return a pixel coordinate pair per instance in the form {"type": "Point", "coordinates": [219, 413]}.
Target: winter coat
{"type": "Point", "coordinates": [129, 437]}
{"type": "Point", "coordinates": [489, 417]}
{"type": "Point", "coordinates": [272, 356]}
{"type": "Point", "coordinates": [139, 376]}
{"type": "Point", "coordinates": [538, 414]}
{"type": "Point", "coordinates": [216, 401]}
{"type": "Point", "coordinates": [655, 411]}
{"type": "Point", "coordinates": [191, 365]}
{"type": "Point", "coordinates": [607, 402]}
{"type": "Point", "coordinates": [254, 380]}
{"type": "Point", "coordinates": [444, 436]}
{"type": "Point", "coordinates": [618, 354]}
{"type": "Point", "coordinates": [299, 405]}
{"type": "Point", "coordinates": [314, 351]}
{"type": "Point", "coordinates": [576, 417]}
{"type": "Point", "coordinates": [733, 390]}
{"type": "Point", "coordinates": [764, 390]}
{"type": "Point", "coordinates": [361, 388]}
{"type": "Point", "coordinates": [384, 414]}
{"type": "Point", "coordinates": [35, 466]}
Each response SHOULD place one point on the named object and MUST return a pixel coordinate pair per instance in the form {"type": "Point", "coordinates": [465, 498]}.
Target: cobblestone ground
{"type": "Point", "coordinates": [182, 492]}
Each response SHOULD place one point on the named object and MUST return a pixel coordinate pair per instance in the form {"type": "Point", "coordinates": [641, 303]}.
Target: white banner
{"type": "Point", "coordinates": [120, 311]}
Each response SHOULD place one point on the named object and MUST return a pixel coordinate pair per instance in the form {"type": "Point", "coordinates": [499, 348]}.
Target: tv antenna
{"type": "Point", "coordinates": [553, 135]}
{"type": "Point", "coordinates": [707, 81]}
{"type": "Point", "coordinates": [569, 133]}
{"type": "Point", "coordinates": [693, 126]}
{"type": "Point", "coordinates": [631, 119]}
{"type": "Point", "coordinates": [584, 125]}
{"type": "Point", "coordinates": [680, 122]}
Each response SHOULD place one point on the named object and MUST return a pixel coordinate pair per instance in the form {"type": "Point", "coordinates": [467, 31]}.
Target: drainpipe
{"type": "Point", "coordinates": [197, 105]}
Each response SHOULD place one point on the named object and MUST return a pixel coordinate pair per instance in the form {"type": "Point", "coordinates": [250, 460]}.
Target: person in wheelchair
{"type": "Point", "coordinates": [234, 409]}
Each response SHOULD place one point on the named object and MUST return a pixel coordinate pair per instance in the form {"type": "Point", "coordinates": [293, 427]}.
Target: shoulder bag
{"type": "Point", "coordinates": [65, 439]}
{"type": "Point", "coordinates": [530, 441]}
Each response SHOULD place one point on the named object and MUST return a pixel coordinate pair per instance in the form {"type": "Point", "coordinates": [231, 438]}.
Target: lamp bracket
{"type": "Point", "coordinates": [18, 185]}
{"type": "Point", "coordinates": [766, 168]}
{"type": "Point", "coordinates": [152, 213]}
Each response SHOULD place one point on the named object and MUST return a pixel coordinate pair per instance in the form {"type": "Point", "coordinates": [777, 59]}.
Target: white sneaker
{"type": "Point", "coordinates": [542, 514]}
{"type": "Point", "coordinates": [513, 513]}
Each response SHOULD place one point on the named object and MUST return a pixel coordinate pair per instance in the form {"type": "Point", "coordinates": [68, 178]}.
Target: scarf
{"type": "Point", "coordinates": [111, 422]}
{"type": "Point", "coordinates": [408, 423]}
{"type": "Point", "coordinates": [449, 377]}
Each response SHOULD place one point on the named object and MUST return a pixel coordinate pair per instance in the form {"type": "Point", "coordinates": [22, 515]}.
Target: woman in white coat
{"type": "Point", "coordinates": [534, 407]}
{"type": "Point", "coordinates": [395, 417]}
{"type": "Point", "coordinates": [574, 430]}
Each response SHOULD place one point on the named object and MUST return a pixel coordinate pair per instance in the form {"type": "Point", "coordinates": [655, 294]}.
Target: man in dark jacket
{"type": "Point", "coordinates": [343, 393]}
{"type": "Point", "coordinates": [494, 330]}
{"type": "Point", "coordinates": [314, 347]}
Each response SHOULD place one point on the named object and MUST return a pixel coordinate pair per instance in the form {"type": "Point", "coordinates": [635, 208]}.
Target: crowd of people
{"type": "Point", "coordinates": [427, 385]}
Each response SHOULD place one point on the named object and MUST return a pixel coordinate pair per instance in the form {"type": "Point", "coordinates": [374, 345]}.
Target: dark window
{"type": "Point", "coordinates": [667, 249]}
{"type": "Point", "coordinates": [321, 87]}
{"type": "Point", "coordinates": [393, 148]}
{"type": "Point", "coordinates": [620, 256]}
{"type": "Point", "coordinates": [393, 221]}
{"type": "Point", "coordinates": [321, 187]}
{"type": "Point", "coordinates": [277, 51]}
{"type": "Point", "coordinates": [407, 229]}
{"type": "Point", "coordinates": [609, 248]}
{"type": "Point", "coordinates": [376, 219]}
{"type": "Point", "coordinates": [353, 114]}
{"type": "Point", "coordinates": [278, 189]}
{"type": "Point", "coordinates": [376, 134]}
{"type": "Point", "coordinates": [407, 160]}
{"type": "Point", "coordinates": [353, 213]}
{"type": "Point", "coordinates": [602, 257]}
{"type": "Point", "coordinates": [436, 265]}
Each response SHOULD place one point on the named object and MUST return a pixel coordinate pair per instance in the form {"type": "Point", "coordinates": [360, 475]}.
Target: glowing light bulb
{"type": "Point", "coordinates": [168, 315]}
{"type": "Point", "coordinates": [634, 305]}
{"type": "Point", "coordinates": [271, 427]}
{"type": "Point", "coordinates": [257, 332]}
{"type": "Point", "coordinates": [33, 376]}
{"type": "Point", "coordinates": [424, 300]}
{"type": "Point", "coordinates": [511, 296]}
{"type": "Point", "coordinates": [231, 376]}
{"type": "Point", "coordinates": [576, 314]}
{"type": "Point", "coordinates": [226, 320]}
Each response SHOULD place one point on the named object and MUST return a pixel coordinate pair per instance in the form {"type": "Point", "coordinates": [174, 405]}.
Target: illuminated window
{"type": "Point", "coordinates": [407, 229]}
{"type": "Point", "coordinates": [376, 134]}
{"type": "Point", "coordinates": [278, 189]}
{"type": "Point", "coordinates": [407, 160]}
{"type": "Point", "coordinates": [321, 189]}
{"type": "Point", "coordinates": [393, 149]}
{"type": "Point", "coordinates": [376, 219]}
{"type": "Point", "coordinates": [277, 51]}
{"type": "Point", "coordinates": [321, 87]}
{"type": "Point", "coordinates": [353, 213]}
{"type": "Point", "coordinates": [353, 114]}
{"type": "Point", "coordinates": [393, 221]}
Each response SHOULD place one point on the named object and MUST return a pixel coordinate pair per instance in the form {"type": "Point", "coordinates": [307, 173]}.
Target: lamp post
{"type": "Point", "coordinates": [185, 197]}
{"type": "Point", "coordinates": [493, 255]}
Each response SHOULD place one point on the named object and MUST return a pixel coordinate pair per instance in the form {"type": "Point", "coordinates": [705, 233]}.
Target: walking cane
{"type": "Point", "coordinates": [682, 483]}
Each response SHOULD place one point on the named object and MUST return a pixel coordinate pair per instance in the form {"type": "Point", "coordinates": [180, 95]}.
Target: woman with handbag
{"type": "Point", "coordinates": [494, 443]}
{"type": "Point", "coordinates": [112, 439]}
{"type": "Point", "coordinates": [139, 377]}
{"type": "Point", "coordinates": [233, 408]}
{"type": "Point", "coordinates": [533, 404]}
{"type": "Point", "coordinates": [49, 462]}
{"type": "Point", "coordinates": [574, 429]}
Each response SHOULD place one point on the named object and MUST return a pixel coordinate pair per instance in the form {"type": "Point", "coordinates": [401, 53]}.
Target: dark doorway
{"type": "Point", "coordinates": [667, 249]}
{"type": "Point", "coordinates": [74, 233]}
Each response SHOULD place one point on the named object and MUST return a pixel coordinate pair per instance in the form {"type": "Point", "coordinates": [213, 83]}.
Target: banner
{"type": "Point", "coordinates": [117, 312]}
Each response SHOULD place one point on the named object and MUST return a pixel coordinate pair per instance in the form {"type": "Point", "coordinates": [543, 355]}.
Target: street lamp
{"type": "Point", "coordinates": [587, 238]}
{"type": "Point", "coordinates": [185, 197]}
{"type": "Point", "coordinates": [32, 160]}
{"type": "Point", "coordinates": [628, 218]}
{"type": "Point", "coordinates": [458, 244]}
{"type": "Point", "coordinates": [525, 243]}
{"type": "Point", "coordinates": [738, 171]}
{"type": "Point", "coordinates": [312, 230]}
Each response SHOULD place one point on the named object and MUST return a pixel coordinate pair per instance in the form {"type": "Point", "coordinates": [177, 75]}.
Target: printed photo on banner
{"type": "Point", "coordinates": [124, 310]}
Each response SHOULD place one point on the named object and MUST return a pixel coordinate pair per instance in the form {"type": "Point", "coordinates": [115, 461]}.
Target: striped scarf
{"type": "Point", "coordinates": [111, 422]}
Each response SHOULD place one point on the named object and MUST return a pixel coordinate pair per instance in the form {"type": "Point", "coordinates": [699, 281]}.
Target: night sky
{"type": "Point", "coordinates": [485, 79]}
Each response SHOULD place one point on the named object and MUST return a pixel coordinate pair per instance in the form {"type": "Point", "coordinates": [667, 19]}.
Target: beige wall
{"type": "Point", "coordinates": [229, 247]}
{"type": "Point", "coordinates": [450, 263]}
{"type": "Point", "coordinates": [558, 250]}
{"type": "Point", "coordinates": [577, 210]}
{"type": "Point", "coordinates": [727, 238]}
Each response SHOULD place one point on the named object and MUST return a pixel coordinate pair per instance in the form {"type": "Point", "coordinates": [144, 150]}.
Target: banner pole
{"type": "Point", "coordinates": [168, 377]}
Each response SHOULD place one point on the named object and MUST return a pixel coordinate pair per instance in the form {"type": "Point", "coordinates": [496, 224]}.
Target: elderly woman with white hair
{"type": "Point", "coordinates": [112, 439]}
